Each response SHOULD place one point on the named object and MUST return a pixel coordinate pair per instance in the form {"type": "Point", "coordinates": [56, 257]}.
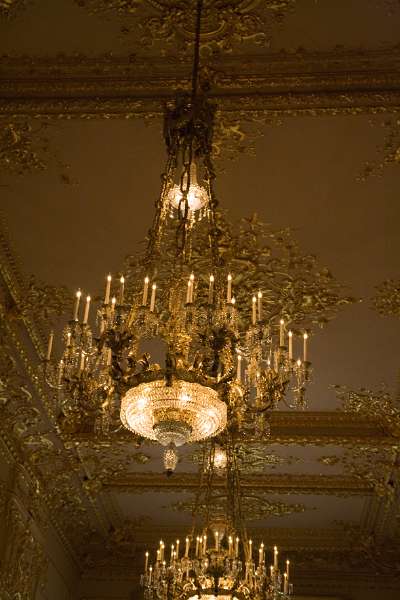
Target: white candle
{"type": "Point", "coordinates": [108, 289]}
{"type": "Point", "coordinates": [211, 290]}
{"type": "Point", "coordinates": [153, 297]}
{"type": "Point", "coordinates": [281, 332]}
{"type": "Point", "coordinates": [229, 289]}
{"type": "Point", "coordinates": [187, 547]}
{"type": "Point", "coordinates": [76, 307]}
{"type": "Point", "coordinates": [254, 310]}
{"type": "Point", "coordinates": [230, 547]}
{"type": "Point", "coordinates": [50, 346]}
{"type": "Point", "coordinates": [290, 335]}
{"type": "Point", "coordinates": [236, 547]}
{"type": "Point", "coordinates": [146, 562]}
{"type": "Point", "coordinates": [262, 551]}
{"type": "Point", "coordinates": [82, 364]}
{"type": "Point", "coordinates": [87, 306]}
{"type": "Point", "coordinates": [158, 555]}
{"type": "Point", "coordinates": [172, 552]}
{"type": "Point", "coordinates": [285, 583]}
{"type": "Point", "coordinates": [60, 371]}
{"type": "Point", "coordinates": [251, 549]}
{"type": "Point", "coordinates": [191, 287]}
{"type": "Point", "coordinates": [68, 339]}
{"type": "Point", "coordinates": [150, 574]}
{"type": "Point", "coordinates": [260, 557]}
{"type": "Point", "coordinates": [305, 338]}
{"type": "Point", "coordinates": [271, 570]}
{"type": "Point", "coordinates": [287, 569]}
{"type": "Point", "coordinates": [275, 557]}
{"type": "Point", "coordinates": [216, 541]}
{"type": "Point", "coordinates": [145, 291]}
{"type": "Point", "coordinates": [239, 368]}
{"type": "Point", "coordinates": [188, 293]}
{"type": "Point", "coordinates": [259, 305]}
{"type": "Point", "coordinates": [204, 544]}
{"type": "Point", "coordinates": [121, 289]}
{"type": "Point", "coordinates": [177, 549]}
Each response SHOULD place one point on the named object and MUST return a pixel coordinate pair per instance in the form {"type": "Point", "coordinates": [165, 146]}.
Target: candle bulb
{"type": "Point", "coordinates": [287, 569]}
{"type": "Point", "coordinates": [158, 555]}
{"type": "Point", "coordinates": [188, 293]}
{"type": "Point", "coordinates": [153, 297]}
{"type": "Point", "coordinates": [229, 289]}
{"type": "Point", "coordinates": [145, 291]}
{"type": "Point", "coordinates": [187, 547]}
{"type": "Point", "coordinates": [60, 371]}
{"type": "Point", "coordinates": [281, 332]}
{"type": "Point", "coordinates": [259, 305]}
{"type": "Point", "coordinates": [50, 346]}
{"type": "Point", "coordinates": [305, 338]}
{"type": "Point", "coordinates": [150, 574]}
{"type": "Point", "coordinates": [271, 570]}
{"type": "Point", "coordinates": [177, 549]}
{"type": "Point", "coordinates": [172, 552]}
{"type": "Point", "coordinates": [211, 290]}
{"type": "Point", "coordinates": [254, 310]}
{"type": "Point", "coordinates": [275, 557]}
{"type": "Point", "coordinates": [239, 368]}
{"type": "Point", "coordinates": [76, 307]}
{"type": "Point", "coordinates": [285, 584]}
{"type": "Point", "coordinates": [191, 287]}
{"type": "Point", "coordinates": [251, 549]}
{"type": "Point", "coordinates": [108, 289]}
{"type": "Point", "coordinates": [290, 335]}
{"type": "Point", "coordinates": [87, 306]}
{"type": "Point", "coordinates": [216, 541]}
{"type": "Point", "coordinates": [204, 544]}
{"type": "Point", "coordinates": [237, 547]}
{"type": "Point", "coordinates": [230, 547]}
{"type": "Point", "coordinates": [121, 289]}
{"type": "Point", "coordinates": [146, 562]}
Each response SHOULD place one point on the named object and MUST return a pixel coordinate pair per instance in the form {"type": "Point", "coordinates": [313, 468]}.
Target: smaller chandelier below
{"type": "Point", "coordinates": [173, 414]}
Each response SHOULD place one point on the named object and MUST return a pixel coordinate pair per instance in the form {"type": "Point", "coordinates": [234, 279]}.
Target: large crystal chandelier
{"type": "Point", "coordinates": [228, 350]}
{"type": "Point", "coordinates": [220, 562]}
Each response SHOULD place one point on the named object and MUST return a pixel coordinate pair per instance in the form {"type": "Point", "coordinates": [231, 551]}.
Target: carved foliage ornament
{"type": "Point", "coordinates": [224, 23]}
{"type": "Point", "coordinates": [387, 300]}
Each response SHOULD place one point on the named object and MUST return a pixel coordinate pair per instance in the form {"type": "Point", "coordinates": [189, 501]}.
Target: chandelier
{"type": "Point", "coordinates": [228, 349]}
{"type": "Point", "coordinates": [220, 562]}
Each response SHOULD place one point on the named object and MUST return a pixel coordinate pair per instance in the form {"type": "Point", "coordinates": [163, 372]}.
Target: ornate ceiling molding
{"type": "Point", "coordinates": [344, 82]}
{"type": "Point", "coordinates": [274, 483]}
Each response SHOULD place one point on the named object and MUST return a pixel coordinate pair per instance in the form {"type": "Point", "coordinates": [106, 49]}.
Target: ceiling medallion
{"type": "Point", "coordinates": [224, 312]}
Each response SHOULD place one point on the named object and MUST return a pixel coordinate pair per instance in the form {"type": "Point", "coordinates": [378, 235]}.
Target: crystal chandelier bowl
{"type": "Point", "coordinates": [178, 413]}
{"type": "Point", "coordinates": [197, 197]}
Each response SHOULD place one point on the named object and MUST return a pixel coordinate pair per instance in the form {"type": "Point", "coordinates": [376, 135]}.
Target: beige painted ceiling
{"type": "Point", "coordinates": [75, 220]}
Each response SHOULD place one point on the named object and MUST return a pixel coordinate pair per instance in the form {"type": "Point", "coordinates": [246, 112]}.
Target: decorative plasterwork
{"type": "Point", "coordinates": [388, 153]}
{"type": "Point", "coordinates": [387, 300]}
{"type": "Point", "coordinates": [274, 483]}
{"type": "Point", "coordinates": [270, 86]}
{"type": "Point", "coordinates": [224, 23]}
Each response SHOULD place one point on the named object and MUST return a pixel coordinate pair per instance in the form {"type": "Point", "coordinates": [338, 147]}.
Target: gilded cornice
{"type": "Point", "coordinates": [274, 483]}
{"type": "Point", "coordinates": [341, 82]}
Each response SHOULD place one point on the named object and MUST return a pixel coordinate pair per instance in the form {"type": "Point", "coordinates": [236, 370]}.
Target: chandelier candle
{"type": "Point", "coordinates": [76, 307]}
{"type": "Point", "coordinates": [153, 297]}
{"type": "Point", "coordinates": [211, 290]}
{"type": "Point", "coordinates": [145, 291]}
{"type": "Point", "coordinates": [229, 289]}
{"type": "Point", "coordinates": [254, 310]}
{"type": "Point", "coordinates": [290, 336]}
{"type": "Point", "coordinates": [259, 305]}
{"type": "Point", "coordinates": [108, 290]}
{"type": "Point", "coordinates": [87, 307]}
{"type": "Point", "coordinates": [50, 346]}
{"type": "Point", "coordinates": [305, 337]}
{"type": "Point", "coordinates": [121, 289]}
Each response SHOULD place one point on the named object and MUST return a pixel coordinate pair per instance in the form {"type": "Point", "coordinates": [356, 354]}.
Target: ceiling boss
{"type": "Point", "coordinates": [230, 319]}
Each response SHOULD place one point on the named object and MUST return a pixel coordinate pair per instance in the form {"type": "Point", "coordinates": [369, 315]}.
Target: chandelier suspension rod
{"type": "Point", "coordinates": [196, 53]}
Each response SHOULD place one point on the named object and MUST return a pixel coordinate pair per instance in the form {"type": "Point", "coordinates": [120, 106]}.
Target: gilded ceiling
{"type": "Point", "coordinates": [308, 137]}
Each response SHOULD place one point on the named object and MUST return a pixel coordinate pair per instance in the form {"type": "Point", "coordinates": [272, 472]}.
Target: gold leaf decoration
{"type": "Point", "coordinates": [387, 300]}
